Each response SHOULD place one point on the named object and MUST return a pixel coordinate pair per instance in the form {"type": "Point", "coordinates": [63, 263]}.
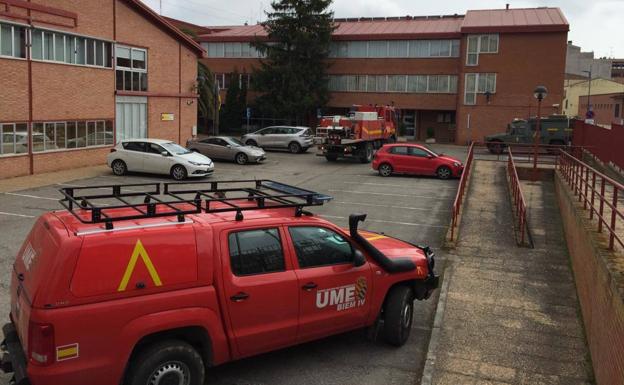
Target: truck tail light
{"type": "Point", "coordinates": [41, 343]}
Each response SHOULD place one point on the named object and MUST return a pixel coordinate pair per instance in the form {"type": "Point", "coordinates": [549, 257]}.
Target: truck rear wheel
{"type": "Point", "coordinates": [398, 312]}
{"type": "Point", "coordinates": [169, 362]}
{"type": "Point", "coordinates": [367, 154]}
{"type": "Point", "coordinates": [496, 147]}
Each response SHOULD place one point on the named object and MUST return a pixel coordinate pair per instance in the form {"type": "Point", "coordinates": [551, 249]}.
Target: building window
{"type": "Point", "coordinates": [70, 49]}
{"type": "Point", "coordinates": [478, 44]}
{"type": "Point", "coordinates": [231, 50]}
{"type": "Point", "coordinates": [48, 136]}
{"type": "Point", "coordinates": [394, 83]}
{"type": "Point", "coordinates": [395, 49]}
{"type": "Point", "coordinates": [478, 84]}
{"type": "Point", "coordinates": [617, 110]}
{"type": "Point", "coordinates": [12, 41]}
{"type": "Point", "coordinates": [13, 138]}
{"type": "Point", "coordinates": [131, 68]}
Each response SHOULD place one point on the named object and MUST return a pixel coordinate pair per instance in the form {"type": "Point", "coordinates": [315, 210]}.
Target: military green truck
{"type": "Point", "coordinates": [555, 130]}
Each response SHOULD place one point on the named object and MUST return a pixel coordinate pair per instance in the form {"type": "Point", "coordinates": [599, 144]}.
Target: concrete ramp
{"type": "Point", "coordinates": [510, 314]}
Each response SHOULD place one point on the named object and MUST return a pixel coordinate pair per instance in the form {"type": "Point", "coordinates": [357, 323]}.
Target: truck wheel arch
{"type": "Point", "coordinates": [200, 327]}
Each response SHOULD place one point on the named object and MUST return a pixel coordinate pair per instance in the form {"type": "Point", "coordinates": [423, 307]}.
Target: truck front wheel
{"type": "Point", "coordinates": [398, 314]}
{"type": "Point", "coordinates": [169, 362]}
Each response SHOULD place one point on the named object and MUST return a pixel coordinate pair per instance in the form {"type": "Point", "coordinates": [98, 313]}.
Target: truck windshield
{"type": "Point", "coordinates": [517, 127]}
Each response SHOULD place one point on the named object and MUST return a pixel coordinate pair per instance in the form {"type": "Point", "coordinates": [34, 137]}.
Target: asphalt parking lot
{"type": "Point", "coordinates": [416, 209]}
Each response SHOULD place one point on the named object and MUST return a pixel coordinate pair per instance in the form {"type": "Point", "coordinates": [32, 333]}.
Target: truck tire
{"type": "Point", "coordinates": [398, 312]}
{"type": "Point", "coordinates": [555, 142]}
{"type": "Point", "coordinates": [496, 147]}
{"type": "Point", "coordinates": [367, 155]}
{"type": "Point", "coordinates": [167, 362]}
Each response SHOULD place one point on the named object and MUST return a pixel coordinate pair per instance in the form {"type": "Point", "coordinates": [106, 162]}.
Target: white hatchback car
{"type": "Point", "coordinates": [158, 156]}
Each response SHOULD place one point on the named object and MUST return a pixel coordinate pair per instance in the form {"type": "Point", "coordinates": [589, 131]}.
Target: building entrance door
{"type": "Point", "coordinates": [409, 120]}
{"type": "Point", "coordinates": [131, 117]}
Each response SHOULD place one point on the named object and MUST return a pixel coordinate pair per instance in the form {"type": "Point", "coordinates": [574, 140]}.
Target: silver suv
{"type": "Point", "coordinates": [295, 139]}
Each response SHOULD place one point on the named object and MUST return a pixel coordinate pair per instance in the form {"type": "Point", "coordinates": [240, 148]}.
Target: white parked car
{"type": "Point", "coordinates": [158, 156]}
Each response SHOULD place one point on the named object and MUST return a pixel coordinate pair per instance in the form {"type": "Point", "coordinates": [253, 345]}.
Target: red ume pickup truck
{"type": "Point", "coordinates": [152, 284]}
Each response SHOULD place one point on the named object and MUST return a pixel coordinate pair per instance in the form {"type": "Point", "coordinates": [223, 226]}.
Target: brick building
{"type": "Point", "coordinates": [608, 108]}
{"type": "Point", "coordinates": [78, 75]}
{"type": "Point", "coordinates": [436, 69]}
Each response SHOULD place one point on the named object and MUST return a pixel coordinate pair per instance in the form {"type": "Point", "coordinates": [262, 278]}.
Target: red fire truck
{"type": "Point", "coordinates": [365, 129]}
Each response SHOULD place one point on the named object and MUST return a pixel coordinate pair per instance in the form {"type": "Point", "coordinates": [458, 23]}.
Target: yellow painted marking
{"type": "Point", "coordinates": [376, 237]}
{"type": "Point", "coordinates": [139, 250]}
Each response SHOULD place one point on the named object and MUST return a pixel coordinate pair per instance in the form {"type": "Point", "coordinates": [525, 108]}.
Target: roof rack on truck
{"type": "Point", "coordinates": [149, 200]}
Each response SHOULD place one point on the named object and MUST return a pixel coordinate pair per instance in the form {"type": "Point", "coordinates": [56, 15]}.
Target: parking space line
{"type": "Point", "coordinates": [390, 222]}
{"type": "Point", "coordinates": [16, 215]}
{"type": "Point", "coordinates": [387, 206]}
{"type": "Point", "coordinates": [389, 194]}
{"type": "Point", "coordinates": [414, 186]}
{"type": "Point", "coordinates": [31, 196]}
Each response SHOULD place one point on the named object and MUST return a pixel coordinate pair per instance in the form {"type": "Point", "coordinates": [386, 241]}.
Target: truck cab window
{"type": "Point", "coordinates": [318, 246]}
{"type": "Point", "coordinates": [256, 252]}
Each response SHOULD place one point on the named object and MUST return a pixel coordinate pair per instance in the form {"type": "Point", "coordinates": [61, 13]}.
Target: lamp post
{"type": "Point", "coordinates": [589, 87]}
{"type": "Point", "coordinates": [539, 93]}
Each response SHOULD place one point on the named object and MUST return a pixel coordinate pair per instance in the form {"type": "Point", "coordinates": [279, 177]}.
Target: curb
{"type": "Point", "coordinates": [427, 376]}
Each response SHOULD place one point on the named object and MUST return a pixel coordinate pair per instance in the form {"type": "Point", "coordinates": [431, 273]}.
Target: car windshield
{"type": "Point", "coordinates": [175, 148]}
{"type": "Point", "coordinates": [431, 151]}
{"type": "Point", "coordinates": [234, 141]}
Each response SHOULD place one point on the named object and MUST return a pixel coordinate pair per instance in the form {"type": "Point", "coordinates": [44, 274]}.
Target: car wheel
{"type": "Point", "coordinates": [119, 167]}
{"type": "Point", "coordinates": [178, 172]}
{"type": "Point", "coordinates": [398, 312]}
{"type": "Point", "coordinates": [294, 147]}
{"type": "Point", "coordinates": [241, 158]}
{"type": "Point", "coordinates": [367, 157]}
{"type": "Point", "coordinates": [444, 172]}
{"type": "Point", "coordinates": [169, 362]}
{"type": "Point", "coordinates": [385, 169]}
{"type": "Point", "coordinates": [251, 142]}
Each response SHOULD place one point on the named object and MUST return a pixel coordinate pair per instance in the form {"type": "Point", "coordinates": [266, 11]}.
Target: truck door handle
{"type": "Point", "coordinates": [309, 286]}
{"type": "Point", "coordinates": [240, 296]}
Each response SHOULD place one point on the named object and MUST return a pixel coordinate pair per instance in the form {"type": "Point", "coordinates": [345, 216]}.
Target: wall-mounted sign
{"type": "Point", "coordinates": [167, 117]}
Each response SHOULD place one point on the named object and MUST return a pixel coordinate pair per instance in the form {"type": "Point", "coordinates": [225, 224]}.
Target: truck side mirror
{"type": "Point", "coordinates": [358, 258]}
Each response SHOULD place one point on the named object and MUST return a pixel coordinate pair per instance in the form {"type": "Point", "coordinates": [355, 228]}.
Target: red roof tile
{"type": "Point", "coordinates": [515, 20]}
{"type": "Point", "coordinates": [478, 21]}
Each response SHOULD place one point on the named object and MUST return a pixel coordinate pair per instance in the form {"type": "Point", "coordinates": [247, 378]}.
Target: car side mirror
{"type": "Point", "coordinates": [164, 153]}
{"type": "Point", "coordinates": [358, 258]}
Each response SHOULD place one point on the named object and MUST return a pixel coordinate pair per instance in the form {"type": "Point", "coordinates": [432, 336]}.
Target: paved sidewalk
{"type": "Point", "coordinates": [39, 180]}
{"type": "Point", "coordinates": [511, 315]}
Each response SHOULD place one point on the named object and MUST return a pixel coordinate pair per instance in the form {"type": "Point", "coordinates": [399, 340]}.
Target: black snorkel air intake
{"type": "Point", "coordinates": [395, 265]}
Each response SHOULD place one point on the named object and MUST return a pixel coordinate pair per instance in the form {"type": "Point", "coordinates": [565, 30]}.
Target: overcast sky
{"type": "Point", "coordinates": [595, 25]}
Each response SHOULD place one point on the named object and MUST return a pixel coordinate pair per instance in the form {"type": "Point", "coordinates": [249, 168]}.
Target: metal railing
{"type": "Point", "coordinates": [598, 193]}
{"type": "Point", "coordinates": [520, 207]}
{"type": "Point", "coordinates": [461, 190]}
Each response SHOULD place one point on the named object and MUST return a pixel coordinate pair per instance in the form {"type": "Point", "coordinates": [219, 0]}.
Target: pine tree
{"type": "Point", "coordinates": [292, 78]}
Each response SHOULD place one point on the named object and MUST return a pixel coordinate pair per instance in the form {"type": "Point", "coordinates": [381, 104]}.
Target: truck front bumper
{"type": "Point", "coordinates": [13, 358]}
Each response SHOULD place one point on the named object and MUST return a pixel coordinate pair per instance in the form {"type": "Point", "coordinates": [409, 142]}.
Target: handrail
{"type": "Point", "coordinates": [520, 206]}
{"type": "Point", "coordinates": [461, 190]}
{"type": "Point", "coordinates": [582, 180]}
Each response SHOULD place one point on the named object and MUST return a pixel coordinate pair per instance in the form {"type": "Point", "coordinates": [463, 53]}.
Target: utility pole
{"type": "Point", "coordinates": [160, 7]}
{"type": "Point", "coordinates": [539, 93]}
